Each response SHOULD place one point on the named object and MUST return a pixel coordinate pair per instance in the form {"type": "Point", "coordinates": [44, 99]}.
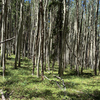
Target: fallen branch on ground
{"type": "Point", "coordinates": [64, 90]}
{"type": "Point", "coordinates": [2, 95]}
{"type": "Point", "coordinates": [47, 78]}
{"type": "Point", "coordinates": [8, 96]}
{"type": "Point", "coordinates": [54, 81]}
{"type": "Point", "coordinates": [62, 81]}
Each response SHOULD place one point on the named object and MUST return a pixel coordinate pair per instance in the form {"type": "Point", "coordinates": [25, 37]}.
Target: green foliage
{"type": "Point", "coordinates": [53, 4]}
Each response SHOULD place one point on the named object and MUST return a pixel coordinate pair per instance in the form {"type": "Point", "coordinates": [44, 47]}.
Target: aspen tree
{"type": "Point", "coordinates": [96, 35]}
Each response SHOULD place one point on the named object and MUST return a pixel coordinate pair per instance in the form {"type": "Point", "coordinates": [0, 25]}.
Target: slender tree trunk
{"type": "Point", "coordinates": [39, 38]}
{"type": "Point", "coordinates": [60, 40]}
{"type": "Point", "coordinates": [77, 14]}
{"type": "Point", "coordinates": [3, 35]}
{"type": "Point", "coordinates": [42, 38]}
{"type": "Point", "coordinates": [34, 39]}
{"type": "Point", "coordinates": [49, 54]}
{"type": "Point", "coordinates": [45, 26]}
{"type": "Point", "coordinates": [20, 30]}
{"type": "Point", "coordinates": [96, 35]}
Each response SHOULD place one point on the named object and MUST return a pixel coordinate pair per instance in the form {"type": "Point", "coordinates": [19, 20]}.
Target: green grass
{"type": "Point", "coordinates": [23, 86]}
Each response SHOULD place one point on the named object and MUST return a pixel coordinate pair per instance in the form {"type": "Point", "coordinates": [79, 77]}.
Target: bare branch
{"type": "Point", "coordinates": [3, 97]}
{"type": "Point", "coordinates": [7, 40]}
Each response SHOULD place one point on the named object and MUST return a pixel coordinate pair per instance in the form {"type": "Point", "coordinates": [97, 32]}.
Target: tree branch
{"type": "Point", "coordinates": [2, 94]}
{"type": "Point", "coordinates": [7, 40]}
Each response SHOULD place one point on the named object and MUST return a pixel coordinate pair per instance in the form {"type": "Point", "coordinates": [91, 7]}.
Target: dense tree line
{"type": "Point", "coordinates": [50, 31]}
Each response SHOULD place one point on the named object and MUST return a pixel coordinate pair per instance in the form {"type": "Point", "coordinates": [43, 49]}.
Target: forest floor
{"type": "Point", "coordinates": [19, 84]}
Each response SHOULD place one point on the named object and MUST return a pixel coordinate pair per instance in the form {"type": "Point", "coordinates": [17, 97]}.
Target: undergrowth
{"type": "Point", "coordinates": [20, 84]}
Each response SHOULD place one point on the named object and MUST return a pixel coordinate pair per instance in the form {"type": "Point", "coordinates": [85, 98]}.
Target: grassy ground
{"type": "Point", "coordinates": [19, 84]}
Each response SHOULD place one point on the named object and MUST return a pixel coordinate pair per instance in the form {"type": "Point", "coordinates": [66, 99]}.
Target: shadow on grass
{"type": "Point", "coordinates": [10, 81]}
{"type": "Point", "coordinates": [73, 73]}
{"type": "Point", "coordinates": [71, 85]}
{"type": "Point", "coordinates": [87, 75]}
{"type": "Point", "coordinates": [15, 80]}
{"type": "Point", "coordinates": [1, 73]}
{"type": "Point", "coordinates": [12, 59]}
{"type": "Point", "coordinates": [95, 95]}
{"type": "Point", "coordinates": [6, 73]}
{"type": "Point", "coordinates": [9, 64]}
{"type": "Point", "coordinates": [31, 94]}
{"type": "Point", "coordinates": [24, 60]}
{"type": "Point", "coordinates": [25, 68]}
{"type": "Point", "coordinates": [19, 71]}
{"type": "Point", "coordinates": [94, 83]}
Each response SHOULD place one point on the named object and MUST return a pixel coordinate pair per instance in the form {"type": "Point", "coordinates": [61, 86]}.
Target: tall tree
{"type": "Point", "coordinates": [20, 30]}
{"type": "Point", "coordinates": [60, 37]}
{"type": "Point", "coordinates": [96, 37]}
{"type": "Point", "coordinates": [2, 38]}
{"type": "Point", "coordinates": [77, 32]}
{"type": "Point", "coordinates": [42, 37]}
